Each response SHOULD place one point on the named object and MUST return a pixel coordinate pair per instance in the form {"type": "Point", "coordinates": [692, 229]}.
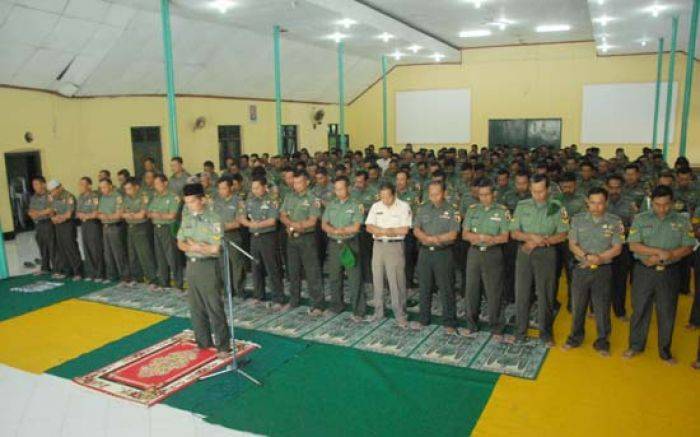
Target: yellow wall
{"type": "Point", "coordinates": [537, 81]}
{"type": "Point", "coordinates": [78, 137]}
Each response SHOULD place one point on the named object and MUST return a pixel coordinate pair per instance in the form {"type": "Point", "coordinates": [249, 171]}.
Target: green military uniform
{"type": "Point", "coordinates": [546, 219]}
{"type": "Point", "coordinates": [695, 309]}
{"type": "Point", "coordinates": [264, 246]}
{"type": "Point", "coordinates": [584, 185]}
{"type": "Point", "coordinates": [164, 241]}
{"type": "Point", "coordinates": [510, 250]}
{"type": "Point", "coordinates": [574, 204]}
{"type": "Point", "coordinates": [594, 235]}
{"type": "Point", "coordinates": [485, 264]}
{"type": "Point", "coordinates": [138, 239]}
{"type": "Point", "coordinates": [636, 192]}
{"type": "Point", "coordinates": [302, 248]}
{"type": "Point", "coordinates": [412, 197]}
{"type": "Point", "coordinates": [435, 263]}
{"type": "Point", "coordinates": [625, 208]}
{"type": "Point", "coordinates": [177, 182]}
{"type": "Point", "coordinates": [116, 261]}
{"type": "Point", "coordinates": [339, 214]}
{"type": "Point", "coordinates": [45, 233]}
{"type": "Point", "coordinates": [326, 194]}
{"type": "Point", "coordinates": [659, 284]}
{"type": "Point", "coordinates": [205, 295]}
{"type": "Point", "coordinates": [91, 231]}
{"type": "Point", "coordinates": [366, 197]}
{"type": "Point", "coordinates": [67, 251]}
{"type": "Point", "coordinates": [229, 211]}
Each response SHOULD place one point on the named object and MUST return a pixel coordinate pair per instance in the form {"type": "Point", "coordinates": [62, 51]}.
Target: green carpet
{"type": "Point", "coordinates": [13, 304]}
{"type": "Point", "coordinates": [206, 396]}
{"type": "Point", "coordinates": [330, 390]}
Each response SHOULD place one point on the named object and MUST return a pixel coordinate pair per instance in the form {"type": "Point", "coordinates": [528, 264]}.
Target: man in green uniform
{"type": "Point", "coordinates": [341, 221]}
{"type": "Point", "coordinates": [179, 177]}
{"type": "Point", "coordinates": [162, 210]}
{"type": "Point", "coordinates": [659, 239]}
{"type": "Point", "coordinates": [109, 211]}
{"type": "Point", "coordinates": [539, 223]}
{"type": "Point", "coordinates": [260, 215]}
{"type": "Point", "coordinates": [67, 252]}
{"type": "Point", "coordinates": [436, 226]}
{"type": "Point", "coordinates": [624, 207]}
{"type": "Point", "coordinates": [405, 191]}
{"type": "Point", "coordinates": [575, 202]}
{"type": "Point", "coordinates": [299, 214]}
{"type": "Point", "coordinates": [91, 231]}
{"type": "Point", "coordinates": [486, 228]}
{"type": "Point", "coordinates": [520, 191]}
{"type": "Point", "coordinates": [229, 206]}
{"type": "Point", "coordinates": [588, 178]}
{"type": "Point", "coordinates": [595, 239]}
{"type": "Point", "coordinates": [366, 195]}
{"type": "Point", "coordinates": [139, 242]}
{"type": "Point", "coordinates": [200, 238]}
{"type": "Point", "coordinates": [633, 187]}
{"type": "Point", "coordinates": [324, 191]}
{"type": "Point", "coordinates": [40, 212]}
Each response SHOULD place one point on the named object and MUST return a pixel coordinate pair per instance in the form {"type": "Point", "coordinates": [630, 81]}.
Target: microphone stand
{"type": "Point", "coordinates": [228, 287]}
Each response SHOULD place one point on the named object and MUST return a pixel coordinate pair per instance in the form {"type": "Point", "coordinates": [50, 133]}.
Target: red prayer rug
{"type": "Point", "coordinates": [152, 374]}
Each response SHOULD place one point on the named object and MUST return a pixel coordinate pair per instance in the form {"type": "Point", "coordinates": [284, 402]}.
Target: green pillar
{"type": "Point", "coordinates": [385, 134]}
{"type": "Point", "coordinates": [659, 68]}
{"type": "Point", "coordinates": [4, 271]}
{"type": "Point", "coordinates": [341, 95]}
{"type": "Point", "coordinates": [689, 65]}
{"type": "Point", "coordinates": [278, 90]}
{"type": "Point", "coordinates": [169, 77]}
{"type": "Point", "coordinates": [669, 91]}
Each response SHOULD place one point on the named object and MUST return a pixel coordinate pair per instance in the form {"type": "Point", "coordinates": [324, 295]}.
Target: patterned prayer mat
{"type": "Point", "coordinates": [250, 315]}
{"type": "Point", "coordinates": [36, 287]}
{"type": "Point", "coordinates": [342, 330]}
{"type": "Point", "coordinates": [295, 323]}
{"type": "Point", "coordinates": [391, 339]}
{"type": "Point", "coordinates": [152, 374]}
{"type": "Point", "coordinates": [169, 301]}
{"type": "Point", "coordinates": [451, 349]}
{"type": "Point", "coordinates": [522, 359]}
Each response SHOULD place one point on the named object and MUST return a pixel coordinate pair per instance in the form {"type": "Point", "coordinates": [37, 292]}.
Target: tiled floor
{"type": "Point", "coordinates": [46, 405]}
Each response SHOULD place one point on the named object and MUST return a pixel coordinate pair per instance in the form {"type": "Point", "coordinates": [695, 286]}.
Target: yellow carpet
{"type": "Point", "coordinates": [580, 393]}
{"type": "Point", "coordinates": [45, 338]}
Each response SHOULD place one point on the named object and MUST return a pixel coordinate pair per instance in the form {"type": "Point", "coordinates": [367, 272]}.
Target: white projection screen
{"type": "Point", "coordinates": [622, 113]}
{"type": "Point", "coordinates": [433, 116]}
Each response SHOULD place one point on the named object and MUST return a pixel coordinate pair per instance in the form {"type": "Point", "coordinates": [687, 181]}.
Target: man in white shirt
{"type": "Point", "coordinates": [384, 158]}
{"type": "Point", "coordinates": [388, 221]}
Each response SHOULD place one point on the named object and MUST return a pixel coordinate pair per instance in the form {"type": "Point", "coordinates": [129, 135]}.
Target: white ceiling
{"type": "Point", "coordinates": [115, 46]}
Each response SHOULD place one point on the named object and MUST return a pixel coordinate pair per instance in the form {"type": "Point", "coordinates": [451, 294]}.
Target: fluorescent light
{"type": "Point", "coordinates": [601, 2]}
{"type": "Point", "coordinates": [337, 36]}
{"type": "Point", "coordinates": [501, 23]}
{"type": "Point", "coordinates": [474, 33]}
{"type": "Point", "coordinates": [604, 20]}
{"type": "Point", "coordinates": [437, 56]}
{"type": "Point", "coordinates": [346, 22]}
{"type": "Point", "coordinates": [553, 28]}
{"type": "Point", "coordinates": [656, 9]}
{"type": "Point", "coordinates": [385, 36]}
{"type": "Point", "coordinates": [644, 42]}
{"type": "Point", "coordinates": [477, 3]}
{"type": "Point", "coordinates": [221, 5]}
{"type": "Point", "coordinates": [397, 55]}
{"type": "Point", "coordinates": [415, 48]}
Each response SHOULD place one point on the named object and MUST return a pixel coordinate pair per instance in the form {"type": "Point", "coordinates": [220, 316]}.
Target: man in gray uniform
{"type": "Point", "coordinates": [67, 253]}
{"type": "Point", "coordinates": [109, 211]}
{"type": "Point", "coordinates": [40, 212]}
{"type": "Point", "coordinates": [91, 230]}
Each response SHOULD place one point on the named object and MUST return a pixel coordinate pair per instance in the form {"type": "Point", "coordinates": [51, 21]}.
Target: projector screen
{"type": "Point", "coordinates": [433, 116]}
{"type": "Point", "coordinates": [624, 113]}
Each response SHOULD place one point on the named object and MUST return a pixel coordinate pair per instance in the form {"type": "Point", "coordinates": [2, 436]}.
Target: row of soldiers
{"type": "Point", "coordinates": [286, 210]}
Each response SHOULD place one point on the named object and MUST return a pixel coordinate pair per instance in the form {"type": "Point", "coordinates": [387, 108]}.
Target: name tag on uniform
{"type": "Point", "coordinates": [348, 211]}
{"type": "Point", "coordinates": [496, 218]}
{"type": "Point", "coordinates": [264, 206]}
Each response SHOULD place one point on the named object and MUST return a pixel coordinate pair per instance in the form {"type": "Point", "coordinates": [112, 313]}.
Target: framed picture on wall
{"type": "Point", "coordinates": [253, 113]}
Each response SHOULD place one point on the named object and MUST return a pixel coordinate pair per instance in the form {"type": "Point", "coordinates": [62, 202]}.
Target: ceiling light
{"type": "Point", "coordinates": [601, 2]}
{"type": "Point", "coordinates": [474, 33]}
{"type": "Point", "coordinates": [221, 5]}
{"type": "Point", "coordinates": [656, 9]}
{"type": "Point", "coordinates": [477, 3]}
{"type": "Point", "coordinates": [346, 22]}
{"type": "Point", "coordinates": [437, 56]}
{"type": "Point", "coordinates": [553, 28]}
{"type": "Point", "coordinates": [385, 36]}
{"type": "Point", "coordinates": [397, 55]}
{"type": "Point", "coordinates": [604, 47]}
{"type": "Point", "coordinates": [501, 23]}
{"type": "Point", "coordinates": [414, 48]}
{"type": "Point", "coordinates": [604, 20]}
{"type": "Point", "coordinates": [337, 36]}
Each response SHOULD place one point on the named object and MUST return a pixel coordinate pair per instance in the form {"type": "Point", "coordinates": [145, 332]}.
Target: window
{"type": "Point", "coordinates": [145, 142]}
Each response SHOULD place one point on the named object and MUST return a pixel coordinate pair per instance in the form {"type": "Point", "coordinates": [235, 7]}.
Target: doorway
{"type": "Point", "coordinates": [145, 143]}
{"type": "Point", "coordinates": [21, 167]}
{"type": "Point", "coordinates": [289, 139]}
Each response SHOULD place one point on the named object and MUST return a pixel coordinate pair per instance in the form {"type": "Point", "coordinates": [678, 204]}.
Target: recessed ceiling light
{"type": "Point", "coordinates": [601, 2]}
{"type": "Point", "coordinates": [437, 56]}
{"type": "Point", "coordinates": [474, 33]}
{"type": "Point", "coordinates": [337, 36]}
{"type": "Point", "coordinates": [656, 9]}
{"type": "Point", "coordinates": [604, 20]}
{"type": "Point", "coordinates": [346, 22]}
{"type": "Point", "coordinates": [604, 47]}
{"type": "Point", "coordinates": [553, 28]}
{"type": "Point", "coordinates": [397, 55]}
{"type": "Point", "coordinates": [221, 5]}
{"type": "Point", "coordinates": [385, 37]}
{"type": "Point", "coordinates": [644, 43]}
{"type": "Point", "coordinates": [415, 48]}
